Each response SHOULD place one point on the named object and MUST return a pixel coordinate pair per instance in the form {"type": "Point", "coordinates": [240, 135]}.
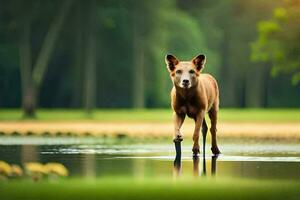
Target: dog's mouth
{"type": "Point", "coordinates": [185, 85]}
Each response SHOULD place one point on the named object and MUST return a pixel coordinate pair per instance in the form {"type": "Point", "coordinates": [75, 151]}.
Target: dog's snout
{"type": "Point", "coordinates": [185, 81]}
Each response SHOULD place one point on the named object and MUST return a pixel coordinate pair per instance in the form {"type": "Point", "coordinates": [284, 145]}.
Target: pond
{"type": "Point", "coordinates": [100, 157]}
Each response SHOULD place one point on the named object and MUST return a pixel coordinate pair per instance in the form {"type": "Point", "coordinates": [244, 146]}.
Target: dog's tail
{"type": "Point", "coordinates": [204, 133]}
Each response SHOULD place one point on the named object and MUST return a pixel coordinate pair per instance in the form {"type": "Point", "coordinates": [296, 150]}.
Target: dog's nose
{"type": "Point", "coordinates": [185, 81]}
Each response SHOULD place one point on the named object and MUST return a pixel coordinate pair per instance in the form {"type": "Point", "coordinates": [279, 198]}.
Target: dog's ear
{"type": "Point", "coordinates": [199, 61]}
{"type": "Point", "coordinates": [171, 62]}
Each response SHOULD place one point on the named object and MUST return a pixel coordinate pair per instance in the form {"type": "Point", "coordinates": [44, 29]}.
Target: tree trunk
{"type": "Point", "coordinates": [30, 101]}
{"type": "Point", "coordinates": [77, 88]}
{"type": "Point", "coordinates": [254, 86]}
{"type": "Point", "coordinates": [138, 64]}
{"type": "Point", "coordinates": [228, 80]}
{"type": "Point", "coordinates": [28, 89]}
{"type": "Point", "coordinates": [266, 86]}
{"type": "Point", "coordinates": [90, 57]}
{"type": "Point", "coordinates": [138, 76]}
{"type": "Point", "coordinates": [32, 77]}
{"type": "Point", "coordinates": [49, 43]}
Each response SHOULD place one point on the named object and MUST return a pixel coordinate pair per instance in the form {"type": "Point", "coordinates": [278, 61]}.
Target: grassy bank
{"type": "Point", "coordinates": [153, 115]}
{"type": "Point", "coordinates": [233, 123]}
{"type": "Point", "coordinates": [126, 188]}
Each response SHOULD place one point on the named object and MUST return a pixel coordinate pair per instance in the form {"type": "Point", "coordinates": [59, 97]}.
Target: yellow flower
{"type": "Point", "coordinates": [35, 168]}
{"type": "Point", "coordinates": [5, 168]}
{"type": "Point", "coordinates": [16, 170]}
{"type": "Point", "coordinates": [56, 168]}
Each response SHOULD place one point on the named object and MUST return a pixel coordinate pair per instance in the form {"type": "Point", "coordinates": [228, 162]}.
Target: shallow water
{"type": "Point", "coordinates": [96, 157]}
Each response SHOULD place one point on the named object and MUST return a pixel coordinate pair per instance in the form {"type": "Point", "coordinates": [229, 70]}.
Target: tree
{"type": "Point", "coordinates": [78, 58]}
{"type": "Point", "coordinates": [138, 39]}
{"type": "Point", "coordinates": [228, 27]}
{"type": "Point", "coordinates": [276, 43]}
{"type": "Point", "coordinates": [32, 73]}
{"type": "Point", "coordinates": [169, 30]}
{"type": "Point", "coordinates": [90, 55]}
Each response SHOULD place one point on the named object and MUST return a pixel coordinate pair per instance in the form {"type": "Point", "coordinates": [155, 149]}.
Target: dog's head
{"type": "Point", "coordinates": [184, 74]}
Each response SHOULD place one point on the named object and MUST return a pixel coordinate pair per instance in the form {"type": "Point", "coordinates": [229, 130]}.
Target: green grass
{"type": "Point", "coordinates": [126, 188]}
{"type": "Point", "coordinates": [154, 115]}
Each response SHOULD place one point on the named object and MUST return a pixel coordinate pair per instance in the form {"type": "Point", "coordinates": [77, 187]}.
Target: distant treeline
{"type": "Point", "coordinates": [110, 53]}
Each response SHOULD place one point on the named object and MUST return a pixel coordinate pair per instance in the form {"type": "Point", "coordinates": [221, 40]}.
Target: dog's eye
{"type": "Point", "coordinates": [192, 72]}
{"type": "Point", "coordinates": [178, 72]}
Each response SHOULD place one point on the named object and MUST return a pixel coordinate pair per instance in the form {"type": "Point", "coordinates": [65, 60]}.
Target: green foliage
{"type": "Point", "coordinates": [276, 44]}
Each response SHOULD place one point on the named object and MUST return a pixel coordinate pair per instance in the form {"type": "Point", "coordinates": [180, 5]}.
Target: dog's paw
{"type": "Point", "coordinates": [215, 150]}
{"type": "Point", "coordinates": [178, 138]}
{"type": "Point", "coordinates": [196, 150]}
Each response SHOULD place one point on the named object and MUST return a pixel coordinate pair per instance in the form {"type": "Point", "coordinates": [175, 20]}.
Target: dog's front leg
{"type": "Point", "coordinates": [178, 121]}
{"type": "Point", "coordinates": [198, 123]}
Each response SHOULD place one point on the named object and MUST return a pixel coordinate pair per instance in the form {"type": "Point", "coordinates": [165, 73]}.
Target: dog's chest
{"type": "Point", "coordinates": [189, 109]}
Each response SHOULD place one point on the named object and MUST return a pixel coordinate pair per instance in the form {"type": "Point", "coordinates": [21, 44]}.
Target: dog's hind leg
{"type": "Point", "coordinates": [213, 130]}
{"type": "Point", "coordinates": [204, 133]}
{"type": "Point", "coordinates": [198, 124]}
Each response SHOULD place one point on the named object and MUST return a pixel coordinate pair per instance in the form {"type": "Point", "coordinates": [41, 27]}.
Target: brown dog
{"type": "Point", "coordinates": [193, 95]}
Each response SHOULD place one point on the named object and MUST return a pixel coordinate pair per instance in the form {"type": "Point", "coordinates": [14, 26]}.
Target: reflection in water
{"type": "Point", "coordinates": [214, 164]}
{"type": "Point", "coordinates": [177, 161]}
{"type": "Point", "coordinates": [151, 160]}
{"type": "Point", "coordinates": [29, 153]}
{"type": "Point", "coordinates": [178, 165]}
{"type": "Point", "coordinates": [89, 165]}
{"type": "Point", "coordinates": [196, 166]}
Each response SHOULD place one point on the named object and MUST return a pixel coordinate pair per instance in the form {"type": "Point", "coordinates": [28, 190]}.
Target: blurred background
{"type": "Point", "coordinates": [84, 95]}
{"type": "Point", "coordinates": [110, 53]}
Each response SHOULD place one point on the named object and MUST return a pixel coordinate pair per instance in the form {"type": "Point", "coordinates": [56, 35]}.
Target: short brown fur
{"type": "Point", "coordinates": [193, 94]}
